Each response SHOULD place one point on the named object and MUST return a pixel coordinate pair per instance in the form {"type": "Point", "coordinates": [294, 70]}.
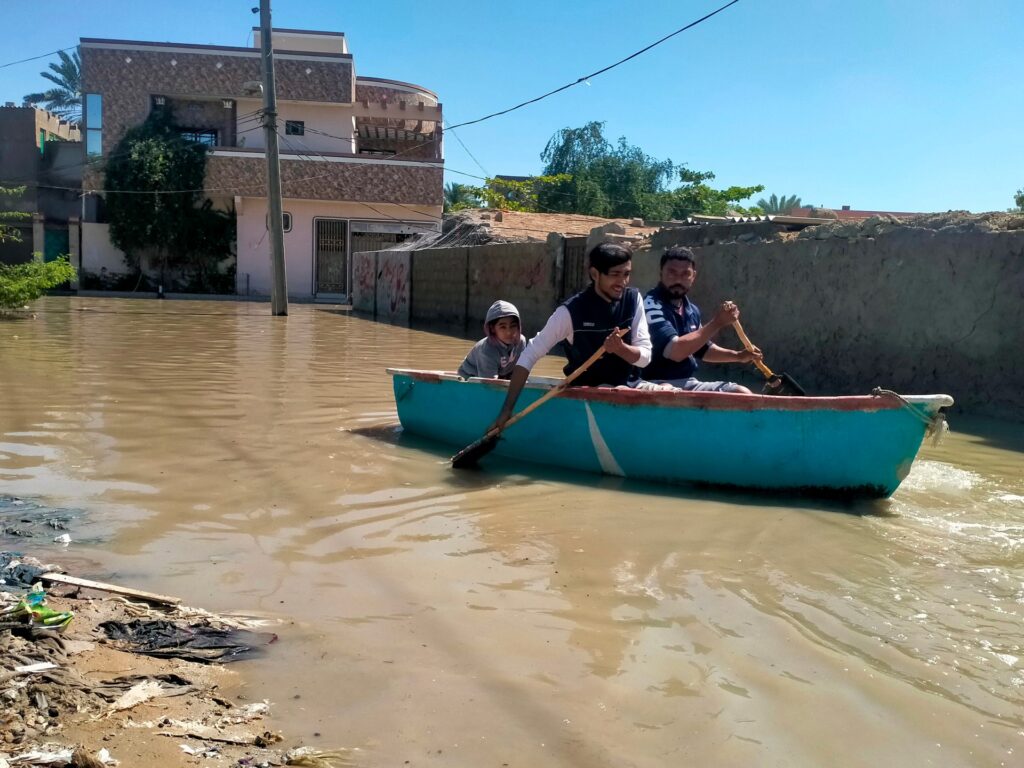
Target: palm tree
{"type": "Point", "coordinates": [66, 99]}
{"type": "Point", "coordinates": [458, 196]}
{"type": "Point", "coordinates": [779, 205]}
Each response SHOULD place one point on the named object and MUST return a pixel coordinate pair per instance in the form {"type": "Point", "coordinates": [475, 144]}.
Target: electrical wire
{"type": "Point", "coordinates": [40, 56]}
{"type": "Point", "coordinates": [601, 71]}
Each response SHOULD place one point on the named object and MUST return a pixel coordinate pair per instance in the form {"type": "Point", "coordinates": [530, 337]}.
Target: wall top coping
{"type": "Point", "coordinates": [304, 32]}
{"type": "Point", "coordinates": [397, 85]}
{"type": "Point", "coordinates": [224, 50]}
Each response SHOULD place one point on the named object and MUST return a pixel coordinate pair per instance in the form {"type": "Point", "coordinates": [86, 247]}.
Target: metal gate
{"type": "Point", "coordinates": [331, 256]}
{"type": "Point", "coordinates": [376, 241]}
{"type": "Point", "coordinates": [574, 267]}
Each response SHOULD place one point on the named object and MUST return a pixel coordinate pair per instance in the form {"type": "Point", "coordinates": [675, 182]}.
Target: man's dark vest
{"type": "Point", "coordinates": [593, 319]}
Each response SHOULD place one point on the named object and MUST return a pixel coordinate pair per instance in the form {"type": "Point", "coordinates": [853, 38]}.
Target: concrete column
{"type": "Point", "coordinates": [75, 248]}
{"type": "Point", "coordinates": [38, 235]}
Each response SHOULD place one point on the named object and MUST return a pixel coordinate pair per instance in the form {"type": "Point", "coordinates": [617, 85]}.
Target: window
{"type": "Point", "coordinates": [42, 140]}
{"type": "Point", "coordinates": [93, 124]}
{"type": "Point", "coordinates": [207, 138]}
{"type": "Point", "coordinates": [295, 127]}
{"type": "Point", "coordinates": [286, 220]}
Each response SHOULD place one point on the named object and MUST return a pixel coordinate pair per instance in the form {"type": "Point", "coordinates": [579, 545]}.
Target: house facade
{"type": "Point", "coordinates": [361, 157]}
{"type": "Point", "coordinates": [42, 153]}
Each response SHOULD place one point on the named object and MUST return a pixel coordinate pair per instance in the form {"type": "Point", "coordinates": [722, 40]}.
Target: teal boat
{"type": "Point", "coordinates": [848, 446]}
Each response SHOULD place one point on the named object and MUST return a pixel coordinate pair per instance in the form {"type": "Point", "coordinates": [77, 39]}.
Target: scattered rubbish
{"type": "Point", "coordinates": [40, 667]}
{"type": "Point", "coordinates": [308, 757]}
{"type": "Point", "coordinates": [22, 518]}
{"type": "Point", "coordinates": [32, 610]}
{"type": "Point", "coordinates": [137, 694]}
{"type": "Point", "coordinates": [194, 642]}
{"type": "Point", "coordinates": [18, 572]}
{"type": "Point", "coordinates": [64, 538]}
{"type": "Point", "coordinates": [101, 586]}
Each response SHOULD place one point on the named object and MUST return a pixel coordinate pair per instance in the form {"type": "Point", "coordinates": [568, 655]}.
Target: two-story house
{"type": "Point", "coordinates": [42, 153]}
{"type": "Point", "coordinates": [361, 157]}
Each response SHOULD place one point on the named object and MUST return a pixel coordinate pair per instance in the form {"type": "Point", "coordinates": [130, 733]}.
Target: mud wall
{"type": "Point", "coordinates": [846, 309]}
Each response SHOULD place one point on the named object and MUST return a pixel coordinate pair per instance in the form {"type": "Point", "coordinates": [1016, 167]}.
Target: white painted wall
{"type": "Point", "coordinates": [254, 245]}
{"type": "Point", "coordinates": [336, 120]}
{"type": "Point", "coordinates": [98, 252]}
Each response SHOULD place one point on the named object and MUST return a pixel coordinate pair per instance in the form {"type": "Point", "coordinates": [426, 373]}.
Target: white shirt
{"type": "Point", "coordinates": [559, 328]}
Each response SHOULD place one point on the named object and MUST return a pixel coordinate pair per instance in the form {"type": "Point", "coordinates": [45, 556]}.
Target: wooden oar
{"type": "Point", "coordinates": [777, 383]}
{"type": "Point", "coordinates": [472, 453]}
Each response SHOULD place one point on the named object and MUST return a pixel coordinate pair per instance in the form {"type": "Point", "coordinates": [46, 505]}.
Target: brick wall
{"type": "Point", "coordinates": [368, 180]}
{"type": "Point", "coordinates": [127, 86]}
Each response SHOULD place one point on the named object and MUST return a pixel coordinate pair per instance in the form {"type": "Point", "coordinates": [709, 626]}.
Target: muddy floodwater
{"type": "Point", "coordinates": [516, 616]}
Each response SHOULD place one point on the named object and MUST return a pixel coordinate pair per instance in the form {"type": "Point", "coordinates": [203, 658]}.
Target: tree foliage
{"type": "Point", "coordinates": [459, 196]}
{"type": "Point", "coordinates": [599, 178]}
{"type": "Point", "coordinates": [22, 283]}
{"type": "Point", "coordinates": [1019, 200]}
{"type": "Point", "coordinates": [779, 205]}
{"type": "Point", "coordinates": [175, 226]}
{"type": "Point", "coordinates": [65, 98]}
{"type": "Point", "coordinates": [8, 219]}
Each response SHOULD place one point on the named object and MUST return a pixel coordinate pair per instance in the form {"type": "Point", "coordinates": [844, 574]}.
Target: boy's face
{"type": "Point", "coordinates": [506, 329]}
{"type": "Point", "coordinates": [613, 284]}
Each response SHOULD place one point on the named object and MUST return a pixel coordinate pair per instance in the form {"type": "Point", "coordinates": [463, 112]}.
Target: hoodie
{"type": "Point", "coordinates": [490, 358]}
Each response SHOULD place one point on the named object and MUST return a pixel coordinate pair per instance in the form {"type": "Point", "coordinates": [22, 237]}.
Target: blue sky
{"type": "Point", "coordinates": [907, 105]}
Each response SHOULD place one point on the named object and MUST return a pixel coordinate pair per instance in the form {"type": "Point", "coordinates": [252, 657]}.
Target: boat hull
{"type": "Point", "coordinates": [851, 446]}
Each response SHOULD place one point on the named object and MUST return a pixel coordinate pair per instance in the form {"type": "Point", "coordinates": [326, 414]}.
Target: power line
{"type": "Point", "coordinates": [601, 71]}
{"type": "Point", "coordinates": [40, 56]}
{"type": "Point", "coordinates": [471, 155]}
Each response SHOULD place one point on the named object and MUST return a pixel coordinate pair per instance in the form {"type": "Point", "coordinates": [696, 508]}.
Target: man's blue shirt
{"type": "Point", "coordinates": [666, 322]}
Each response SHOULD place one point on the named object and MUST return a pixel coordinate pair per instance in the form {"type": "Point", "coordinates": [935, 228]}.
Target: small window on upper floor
{"type": "Point", "coordinates": [294, 127]}
{"type": "Point", "coordinates": [286, 221]}
{"type": "Point", "coordinates": [208, 138]}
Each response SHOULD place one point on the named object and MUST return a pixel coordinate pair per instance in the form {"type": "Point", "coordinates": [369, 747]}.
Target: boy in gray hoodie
{"type": "Point", "coordinates": [495, 355]}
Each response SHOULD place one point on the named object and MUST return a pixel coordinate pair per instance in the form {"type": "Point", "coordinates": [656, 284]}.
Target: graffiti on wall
{"type": "Point", "coordinates": [364, 281]}
{"type": "Point", "coordinates": [393, 270]}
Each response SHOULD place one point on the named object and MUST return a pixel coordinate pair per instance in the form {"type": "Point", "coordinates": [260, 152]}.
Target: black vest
{"type": "Point", "coordinates": [593, 319]}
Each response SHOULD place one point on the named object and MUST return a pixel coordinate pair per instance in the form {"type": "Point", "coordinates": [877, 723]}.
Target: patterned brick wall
{"type": "Point", "coordinates": [378, 93]}
{"type": "Point", "coordinates": [127, 86]}
{"type": "Point", "coordinates": [367, 181]}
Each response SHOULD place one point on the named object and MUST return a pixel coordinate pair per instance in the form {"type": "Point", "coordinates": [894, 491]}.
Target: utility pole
{"type": "Point", "coordinates": [275, 218]}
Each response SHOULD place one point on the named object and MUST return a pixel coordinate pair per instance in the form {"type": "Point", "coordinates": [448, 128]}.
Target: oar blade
{"type": "Point", "coordinates": [468, 457]}
{"type": "Point", "coordinates": [782, 384]}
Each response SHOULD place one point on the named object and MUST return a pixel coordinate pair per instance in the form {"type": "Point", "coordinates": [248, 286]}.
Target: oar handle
{"type": "Point", "coordinates": [750, 348]}
{"type": "Point", "coordinates": [555, 390]}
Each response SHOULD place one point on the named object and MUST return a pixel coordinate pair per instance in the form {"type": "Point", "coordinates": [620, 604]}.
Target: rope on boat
{"type": "Point", "coordinates": [936, 426]}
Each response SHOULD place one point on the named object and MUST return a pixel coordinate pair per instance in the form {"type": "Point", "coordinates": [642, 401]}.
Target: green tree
{"type": "Point", "coordinates": [22, 283]}
{"type": "Point", "coordinates": [9, 232]}
{"type": "Point", "coordinates": [513, 195]}
{"type": "Point", "coordinates": [458, 196]}
{"type": "Point", "coordinates": [174, 225]}
{"type": "Point", "coordinates": [65, 99]}
{"type": "Point", "coordinates": [622, 181]}
{"type": "Point", "coordinates": [1019, 200]}
{"type": "Point", "coordinates": [779, 205]}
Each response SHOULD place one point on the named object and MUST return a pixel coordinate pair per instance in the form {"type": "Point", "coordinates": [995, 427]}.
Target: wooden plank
{"type": "Point", "coordinates": [152, 597]}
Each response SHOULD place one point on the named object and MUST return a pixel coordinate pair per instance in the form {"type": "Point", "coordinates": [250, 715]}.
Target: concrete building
{"type": "Point", "coordinates": [361, 157]}
{"type": "Point", "coordinates": [43, 153]}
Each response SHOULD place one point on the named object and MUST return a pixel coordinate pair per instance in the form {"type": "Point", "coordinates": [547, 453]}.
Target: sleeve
{"type": "Point", "coordinates": [558, 328]}
{"type": "Point", "coordinates": [661, 330]}
{"type": "Point", "coordinates": [641, 335]}
{"type": "Point", "coordinates": [471, 365]}
{"type": "Point", "coordinates": [699, 354]}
